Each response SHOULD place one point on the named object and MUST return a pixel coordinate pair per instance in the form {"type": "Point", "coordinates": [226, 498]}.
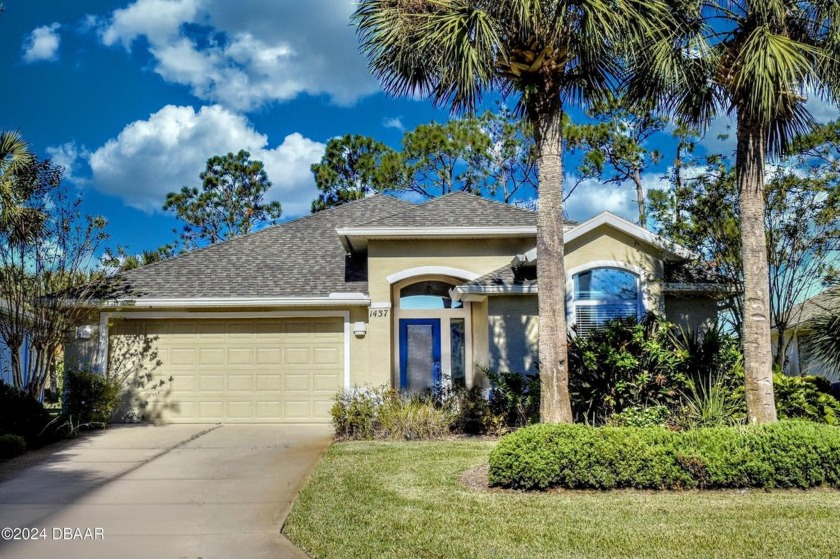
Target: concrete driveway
{"type": "Point", "coordinates": [177, 491]}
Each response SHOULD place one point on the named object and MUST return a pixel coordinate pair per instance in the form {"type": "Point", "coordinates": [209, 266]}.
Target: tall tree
{"type": "Point", "coordinates": [550, 53]}
{"type": "Point", "coordinates": [45, 282]}
{"type": "Point", "coordinates": [353, 167]}
{"type": "Point", "coordinates": [230, 202]}
{"type": "Point", "coordinates": [615, 145]}
{"type": "Point", "coordinates": [512, 158]}
{"type": "Point", "coordinates": [491, 154]}
{"type": "Point", "coordinates": [755, 59]}
{"type": "Point", "coordinates": [444, 158]}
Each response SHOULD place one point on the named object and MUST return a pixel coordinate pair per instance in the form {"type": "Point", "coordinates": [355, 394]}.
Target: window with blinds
{"type": "Point", "coordinates": [604, 294]}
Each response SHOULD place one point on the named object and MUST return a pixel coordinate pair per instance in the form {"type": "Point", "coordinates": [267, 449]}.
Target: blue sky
{"type": "Point", "coordinates": [134, 96]}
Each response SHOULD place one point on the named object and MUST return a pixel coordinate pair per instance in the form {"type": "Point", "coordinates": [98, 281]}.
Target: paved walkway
{"type": "Point", "coordinates": [178, 491]}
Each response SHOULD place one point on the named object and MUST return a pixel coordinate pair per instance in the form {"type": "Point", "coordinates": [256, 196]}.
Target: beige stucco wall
{"type": "Point", "coordinates": [512, 323]}
{"type": "Point", "coordinates": [694, 312]}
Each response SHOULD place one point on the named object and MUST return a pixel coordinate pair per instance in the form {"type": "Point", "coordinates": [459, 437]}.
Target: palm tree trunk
{"type": "Point", "coordinates": [555, 403]}
{"type": "Point", "coordinates": [758, 355]}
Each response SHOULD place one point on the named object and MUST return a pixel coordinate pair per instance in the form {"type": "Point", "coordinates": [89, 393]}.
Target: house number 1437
{"type": "Point", "coordinates": [378, 313]}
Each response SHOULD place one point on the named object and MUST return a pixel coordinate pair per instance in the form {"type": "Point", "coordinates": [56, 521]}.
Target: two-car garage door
{"type": "Point", "coordinates": [237, 371]}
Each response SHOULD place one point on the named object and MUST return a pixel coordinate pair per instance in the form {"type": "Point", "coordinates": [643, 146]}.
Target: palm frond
{"type": "Point", "coordinates": [824, 341]}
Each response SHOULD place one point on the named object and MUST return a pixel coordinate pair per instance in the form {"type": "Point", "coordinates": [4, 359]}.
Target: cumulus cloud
{"type": "Point", "coordinates": [248, 53]}
{"type": "Point", "coordinates": [152, 157]}
{"type": "Point", "coordinates": [67, 155]}
{"type": "Point", "coordinates": [42, 44]}
{"type": "Point", "coordinates": [396, 123]}
{"type": "Point", "coordinates": [593, 197]}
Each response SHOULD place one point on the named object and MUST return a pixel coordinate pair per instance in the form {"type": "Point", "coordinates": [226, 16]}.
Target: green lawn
{"type": "Point", "coordinates": [406, 500]}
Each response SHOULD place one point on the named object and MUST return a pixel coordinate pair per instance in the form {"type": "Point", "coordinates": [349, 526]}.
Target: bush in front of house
{"type": "Point", "coordinates": [89, 398]}
{"type": "Point", "coordinates": [21, 414]}
{"type": "Point", "coordinates": [788, 454]}
{"type": "Point", "coordinates": [11, 446]}
{"type": "Point", "coordinates": [514, 398]}
{"type": "Point", "coordinates": [806, 397]}
{"type": "Point", "coordinates": [625, 364]}
{"type": "Point", "coordinates": [367, 413]}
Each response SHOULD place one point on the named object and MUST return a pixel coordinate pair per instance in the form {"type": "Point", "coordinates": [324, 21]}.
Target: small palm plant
{"type": "Point", "coordinates": [824, 341]}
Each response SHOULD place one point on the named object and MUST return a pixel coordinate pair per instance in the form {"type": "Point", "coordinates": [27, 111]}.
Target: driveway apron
{"type": "Point", "coordinates": [179, 491]}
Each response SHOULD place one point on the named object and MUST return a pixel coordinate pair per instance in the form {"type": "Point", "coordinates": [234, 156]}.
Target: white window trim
{"type": "Point", "coordinates": [639, 272]}
{"type": "Point", "coordinates": [415, 273]}
{"type": "Point", "coordinates": [105, 317]}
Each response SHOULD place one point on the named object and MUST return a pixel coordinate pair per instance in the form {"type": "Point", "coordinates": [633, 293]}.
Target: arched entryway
{"type": "Point", "coordinates": [433, 334]}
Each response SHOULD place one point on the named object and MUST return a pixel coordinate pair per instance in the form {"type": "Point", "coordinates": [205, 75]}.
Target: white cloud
{"type": "Point", "coordinates": [821, 110]}
{"type": "Point", "coordinates": [66, 155]}
{"type": "Point", "coordinates": [152, 157]}
{"type": "Point", "coordinates": [42, 44]}
{"type": "Point", "coordinates": [593, 197]}
{"type": "Point", "coordinates": [396, 123]}
{"type": "Point", "coordinates": [720, 136]}
{"type": "Point", "coordinates": [248, 53]}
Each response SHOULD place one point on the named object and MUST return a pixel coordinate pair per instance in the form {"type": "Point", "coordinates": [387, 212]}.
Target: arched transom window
{"type": "Point", "coordinates": [603, 294]}
{"type": "Point", "coordinates": [428, 295]}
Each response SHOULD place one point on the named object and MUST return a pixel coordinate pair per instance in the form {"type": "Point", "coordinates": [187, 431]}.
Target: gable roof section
{"type": "Point", "coordinates": [610, 219]}
{"type": "Point", "coordinates": [295, 259]}
{"type": "Point", "coordinates": [818, 305]}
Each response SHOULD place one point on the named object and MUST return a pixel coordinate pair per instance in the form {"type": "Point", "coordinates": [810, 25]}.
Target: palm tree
{"type": "Point", "coordinates": [15, 158]}
{"type": "Point", "coordinates": [549, 53]}
{"type": "Point", "coordinates": [756, 60]}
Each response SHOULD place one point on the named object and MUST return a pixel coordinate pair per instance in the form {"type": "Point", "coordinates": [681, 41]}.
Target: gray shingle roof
{"type": "Point", "coordinates": [458, 209]}
{"type": "Point", "coordinates": [298, 258]}
{"type": "Point", "coordinates": [826, 302]}
{"type": "Point", "coordinates": [506, 277]}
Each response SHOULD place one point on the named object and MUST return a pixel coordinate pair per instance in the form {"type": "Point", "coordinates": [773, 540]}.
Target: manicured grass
{"type": "Point", "coordinates": [406, 500]}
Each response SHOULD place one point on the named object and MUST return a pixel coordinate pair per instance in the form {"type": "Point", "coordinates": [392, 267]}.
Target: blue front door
{"type": "Point", "coordinates": [419, 354]}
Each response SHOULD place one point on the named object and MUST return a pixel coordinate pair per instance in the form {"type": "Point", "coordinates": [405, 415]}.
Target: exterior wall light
{"type": "Point", "coordinates": [360, 329]}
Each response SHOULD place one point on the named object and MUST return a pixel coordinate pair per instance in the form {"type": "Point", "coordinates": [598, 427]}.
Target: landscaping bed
{"type": "Point", "coordinates": [374, 499]}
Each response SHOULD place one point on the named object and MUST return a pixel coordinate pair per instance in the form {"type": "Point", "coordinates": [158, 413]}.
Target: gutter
{"type": "Point", "coordinates": [333, 300]}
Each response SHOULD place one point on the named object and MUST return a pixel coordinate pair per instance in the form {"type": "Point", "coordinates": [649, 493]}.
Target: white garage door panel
{"type": "Point", "coordinates": [278, 370]}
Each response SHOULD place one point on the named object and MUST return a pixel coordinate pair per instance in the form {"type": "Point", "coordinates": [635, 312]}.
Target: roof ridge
{"type": "Point", "coordinates": [272, 227]}
{"type": "Point", "coordinates": [455, 194]}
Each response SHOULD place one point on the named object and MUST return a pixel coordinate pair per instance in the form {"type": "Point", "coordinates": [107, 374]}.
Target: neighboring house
{"type": "Point", "coordinates": [268, 326]}
{"type": "Point", "coordinates": [799, 359]}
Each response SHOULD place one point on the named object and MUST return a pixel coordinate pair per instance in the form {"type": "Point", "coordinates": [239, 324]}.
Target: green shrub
{"type": "Point", "coordinates": [654, 416]}
{"type": "Point", "coordinates": [622, 365]}
{"type": "Point", "coordinates": [473, 413]}
{"type": "Point", "coordinates": [414, 418]}
{"type": "Point", "coordinates": [710, 402]}
{"type": "Point", "coordinates": [365, 413]}
{"type": "Point", "coordinates": [21, 414]}
{"type": "Point", "coordinates": [785, 454]}
{"type": "Point", "coordinates": [11, 446]}
{"type": "Point", "coordinates": [89, 398]}
{"type": "Point", "coordinates": [514, 397]}
{"type": "Point", "coordinates": [806, 397]}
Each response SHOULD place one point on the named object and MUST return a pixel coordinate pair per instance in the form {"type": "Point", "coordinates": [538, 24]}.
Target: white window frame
{"type": "Point", "coordinates": [571, 307]}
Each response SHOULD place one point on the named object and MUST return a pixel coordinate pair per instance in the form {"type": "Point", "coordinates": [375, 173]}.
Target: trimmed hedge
{"type": "Point", "coordinates": [787, 454]}
{"type": "Point", "coordinates": [11, 446]}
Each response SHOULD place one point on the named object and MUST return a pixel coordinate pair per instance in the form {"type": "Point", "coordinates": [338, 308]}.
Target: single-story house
{"type": "Point", "coordinates": [799, 360]}
{"type": "Point", "coordinates": [268, 326]}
